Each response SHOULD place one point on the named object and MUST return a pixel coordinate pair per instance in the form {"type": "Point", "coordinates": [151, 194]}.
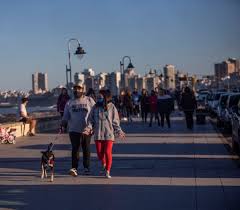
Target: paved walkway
{"type": "Point", "coordinates": [153, 169]}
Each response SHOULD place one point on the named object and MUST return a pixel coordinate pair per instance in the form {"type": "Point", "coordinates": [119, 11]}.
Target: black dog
{"type": "Point", "coordinates": [47, 162]}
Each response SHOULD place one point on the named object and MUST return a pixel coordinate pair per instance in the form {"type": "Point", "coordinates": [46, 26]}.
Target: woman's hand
{"type": "Point", "coordinates": [122, 135]}
{"type": "Point", "coordinates": [87, 131]}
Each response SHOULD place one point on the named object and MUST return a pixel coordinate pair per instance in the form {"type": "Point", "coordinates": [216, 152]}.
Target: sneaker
{"type": "Point", "coordinates": [73, 172]}
{"type": "Point", "coordinates": [108, 175]}
{"type": "Point", "coordinates": [86, 171]}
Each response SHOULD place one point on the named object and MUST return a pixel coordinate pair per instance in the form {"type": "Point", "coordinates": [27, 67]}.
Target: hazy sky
{"type": "Point", "coordinates": [190, 34]}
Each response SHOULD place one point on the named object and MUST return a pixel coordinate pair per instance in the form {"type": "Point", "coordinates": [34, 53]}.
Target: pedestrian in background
{"type": "Point", "coordinates": [153, 108]}
{"type": "Point", "coordinates": [144, 103]}
{"type": "Point", "coordinates": [128, 105]}
{"type": "Point", "coordinates": [61, 102]}
{"type": "Point", "coordinates": [136, 101]}
{"type": "Point", "coordinates": [122, 108]}
{"type": "Point", "coordinates": [25, 117]}
{"type": "Point", "coordinates": [165, 105]}
{"type": "Point", "coordinates": [188, 105]}
{"type": "Point", "coordinates": [105, 124]}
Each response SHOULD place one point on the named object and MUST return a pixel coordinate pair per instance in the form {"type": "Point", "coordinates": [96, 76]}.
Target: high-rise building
{"type": "Point", "coordinates": [229, 66]}
{"type": "Point", "coordinates": [128, 73]}
{"type": "Point", "coordinates": [79, 78]}
{"type": "Point", "coordinates": [88, 72]}
{"type": "Point", "coordinates": [132, 82]}
{"type": "Point", "coordinates": [169, 77]}
{"type": "Point", "coordinates": [112, 82]}
{"type": "Point", "coordinates": [226, 68]}
{"type": "Point", "coordinates": [141, 83]}
{"type": "Point", "coordinates": [89, 83]}
{"type": "Point", "coordinates": [39, 82]}
{"type": "Point", "coordinates": [152, 83]}
{"type": "Point", "coordinates": [219, 71]}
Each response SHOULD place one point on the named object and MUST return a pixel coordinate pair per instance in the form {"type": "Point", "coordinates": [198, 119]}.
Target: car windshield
{"type": "Point", "coordinates": [209, 97]}
{"type": "Point", "coordinates": [233, 101]}
{"type": "Point", "coordinates": [223, 100]}
{"type": "Point", "coordinates": [217, 96]}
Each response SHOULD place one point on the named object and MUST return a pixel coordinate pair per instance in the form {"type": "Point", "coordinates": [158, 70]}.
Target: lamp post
{"type": "Point", "coordinates": [130, 65]}
{"type": "Point", "coordinates": [79, 52]}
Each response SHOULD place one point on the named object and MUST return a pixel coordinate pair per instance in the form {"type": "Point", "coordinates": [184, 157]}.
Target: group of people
{"type": "Point", "coordinates": [157, 103]}
{"type": "Point", "coordinates": [99, 115]}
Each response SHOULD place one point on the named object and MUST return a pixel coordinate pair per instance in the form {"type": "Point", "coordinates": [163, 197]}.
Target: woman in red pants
{"type": "Point", "coordinates": [104, 122]}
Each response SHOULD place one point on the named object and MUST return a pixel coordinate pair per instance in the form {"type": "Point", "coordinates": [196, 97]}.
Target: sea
{"type": "Point", "coordinates": [30, 109]}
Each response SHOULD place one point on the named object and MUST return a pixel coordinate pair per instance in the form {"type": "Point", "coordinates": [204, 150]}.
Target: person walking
{"type": "Point", "coordinates": [153, 108]}
{"type": "Point", "coordinates": [165, 105]}
{"type": "Point", "coordinates": [128, 105]}
{"type": "Point", "coordinates": [188, 105]}
{"type": "Point", "coordinates": [121, 107]}
{"type": "Point", "coordinates": [105, 124]}
{"type": "Point", "coordinates": [135, 100]}
{"type": "Point", "coordinates": [25, 117]}
{"type": "Point", "coordinates": [75, 114]}
{"type": "Point", "coordinates": [144, 104]}
{"type": "Point", "coordinates": [61, 102]}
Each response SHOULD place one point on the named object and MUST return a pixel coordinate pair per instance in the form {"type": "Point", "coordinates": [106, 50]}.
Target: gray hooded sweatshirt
{"type": "Point", "coordinates": [105, 123]}
{"type": "Point", "coordinates": [76, 113]}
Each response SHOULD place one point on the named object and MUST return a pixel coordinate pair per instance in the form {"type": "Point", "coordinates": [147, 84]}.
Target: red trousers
{"type": "Point", "coordinates": [104, 152]}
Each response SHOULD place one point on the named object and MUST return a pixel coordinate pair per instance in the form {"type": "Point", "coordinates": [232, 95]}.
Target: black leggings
{"type": "Point", "coordinates": [167, 116]}
{"type": "Point", "coordinates": [144, 113]}
{"type": "Point", "coordinates": [189, 119]}
{"type": "Point", "coordinates": [78, 139]}
{"type": "Point", "coordinates": [156, 117]}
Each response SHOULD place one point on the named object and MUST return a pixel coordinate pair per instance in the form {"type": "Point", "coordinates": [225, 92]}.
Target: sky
{"type": "Point", "coordinates": [190, 34]}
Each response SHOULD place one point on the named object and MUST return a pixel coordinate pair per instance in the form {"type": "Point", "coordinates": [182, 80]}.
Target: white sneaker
{"type": "Point", "coordinates": [108, 175]}
{"type": "Point", "coordinates": [73, 172]}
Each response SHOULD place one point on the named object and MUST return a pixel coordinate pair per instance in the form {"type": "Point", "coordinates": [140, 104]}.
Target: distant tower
{"type": "Point", "coordinates": [169, 77]}
{"type": "Point", "coordinates": [39, 82]}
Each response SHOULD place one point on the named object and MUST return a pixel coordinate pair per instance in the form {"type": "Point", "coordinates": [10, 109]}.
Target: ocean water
{"type": "Point", "coordinates": [13, 110]}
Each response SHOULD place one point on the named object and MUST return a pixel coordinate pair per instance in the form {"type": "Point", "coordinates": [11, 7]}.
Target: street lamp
{"type": "Point", "coordinates": [79, 52]}
{"type": "Point", "coordinates": [130, 66]}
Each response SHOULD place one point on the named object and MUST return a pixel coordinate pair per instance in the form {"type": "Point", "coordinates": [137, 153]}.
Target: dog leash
{"type": "Point", "coordinates": [58, 134]}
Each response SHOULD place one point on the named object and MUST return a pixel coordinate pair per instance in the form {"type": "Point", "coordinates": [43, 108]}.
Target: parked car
{"type": "Point", "coordinates": [213, 103]}
{"type": "Point", "coordinates": [221, 108]}
{"type": "Point", "coordinates": [231, 102]}
{"type": "Point", "coordinates": [208, 101]}
{"type": "Point", "coordinates": [201, 98]}
{"type": "Point", "coordinates": [236, 128]}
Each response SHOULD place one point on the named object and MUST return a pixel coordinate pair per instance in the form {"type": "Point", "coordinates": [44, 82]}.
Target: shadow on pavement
{"type": "Point", "coordinates": [151, 148]}
{"type": "Point", "coordinates": [118, 197]}
{"type": "Point", "coordinates": [177, 127]}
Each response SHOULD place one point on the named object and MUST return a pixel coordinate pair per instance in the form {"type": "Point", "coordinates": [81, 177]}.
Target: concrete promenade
{"type": "Point", "coordinates": [152, 169]}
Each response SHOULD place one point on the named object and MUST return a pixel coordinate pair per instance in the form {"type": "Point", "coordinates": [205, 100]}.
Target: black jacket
{"type": "Point", "coordinates": [165, 104]}
{"type": "Point", "coordinates": [188, 102]}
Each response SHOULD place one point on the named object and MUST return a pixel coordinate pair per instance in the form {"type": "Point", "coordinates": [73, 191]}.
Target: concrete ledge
{"type": "Point", "coordinates": [43, 124]}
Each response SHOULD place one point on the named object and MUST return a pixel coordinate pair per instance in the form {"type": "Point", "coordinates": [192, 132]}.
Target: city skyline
{"type": "Point", "coordinates": [191, 35]}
